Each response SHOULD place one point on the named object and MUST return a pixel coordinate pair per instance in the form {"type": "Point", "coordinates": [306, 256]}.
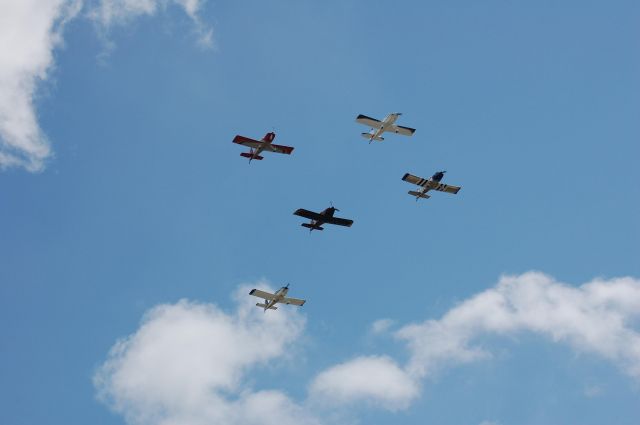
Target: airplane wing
{"type": "Point", "coordinates": [405, 131]}
{"type": "Point", "coordinates": [443, 187]}
{"type": "Point", "coordinates": [261, 294]}
{"type": "Point", "coordinates": [245, 141]}
{"type": "Point", "coordinates": [279, 149]}
{"type": "Point", "coordinates": [294, 301]}
{"type": "Point", "coordinates": [309, 214]}
{"type": "Point", "coordinates": [368, 121]}
{"type": "Point", "coordinates": [338, 221]}
{"type": "Point", "coordinates": [415, 179]}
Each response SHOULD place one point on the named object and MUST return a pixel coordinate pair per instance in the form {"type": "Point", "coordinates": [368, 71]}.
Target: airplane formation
{"type": "Point", "coordinates": [317, 220]}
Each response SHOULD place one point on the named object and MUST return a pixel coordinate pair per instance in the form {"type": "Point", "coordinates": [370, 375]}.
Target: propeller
{"type": "Point", "coordinates": [331, 203]}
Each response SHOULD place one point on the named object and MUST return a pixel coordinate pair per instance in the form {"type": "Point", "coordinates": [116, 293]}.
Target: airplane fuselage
{"type": "Point", "coordinates": [266, 141]}
{"type": "Point", "coordinates": [279, 295]}
{"type": "Point", "coordinates": [384, 125]}
{"type": "Point", "coordinates": [327, 213]}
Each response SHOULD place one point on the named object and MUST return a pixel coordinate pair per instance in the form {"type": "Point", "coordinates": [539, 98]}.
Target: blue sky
{"type": "Point", "coordinates": [531, 107]}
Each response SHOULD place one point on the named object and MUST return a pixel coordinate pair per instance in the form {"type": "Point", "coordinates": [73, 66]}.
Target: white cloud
{"type": "Point", "coordinates": [187, 365]}
{"type": "Point", "coordinates": [376, 380]}
{"type": "Point", "coordinates": [381, 326]}
{"type": "Point", "coordinates": [109, 13]}
{"type": "Point", "coordinates": [30, 31]}
{"type": "Point", "coordinates": [591, 391]}
{"type": "Point", "coordinates": [596, 318]}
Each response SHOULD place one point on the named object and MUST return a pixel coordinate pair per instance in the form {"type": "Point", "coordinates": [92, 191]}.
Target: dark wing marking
{"type": "Point", "coordinates": [280, 149]}
{"type": "Point", "coordinates": [261, 294]}
{"type": "Point", "coordinates": [405, 131]}
{"type": "Point", "coordinates": [368, 121]}
{"type": "Point", "coordinates": [339, 221]}
{"type": "Point", "coordinates": [245, 141]}
{"type": "Point", "coordinates": [309, 214]}
{"type": "Point", "coordinates": [415, 179]}
{"type": "Point", "coordinates": [443, 187]}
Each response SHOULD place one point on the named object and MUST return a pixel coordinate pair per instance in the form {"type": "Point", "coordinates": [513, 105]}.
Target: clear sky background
{"type": "Point", "coordinates": [532, 107]}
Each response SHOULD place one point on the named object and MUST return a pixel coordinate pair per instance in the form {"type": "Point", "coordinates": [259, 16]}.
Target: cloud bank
{"type": "Point", "coordinates": [597, 317]}
{"type": "Point", "coordinates": [30, 32]}
{"type": "Point", "coordinates": [187, 365]}
{"type": "Point", "coordinates": [375, 380]}
{"type": "Point", "coordinates": [189, 362]}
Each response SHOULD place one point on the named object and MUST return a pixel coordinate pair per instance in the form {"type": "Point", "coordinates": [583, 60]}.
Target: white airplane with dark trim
{"type": "Point", "coordinates": [380, 127]}
{"type": "Point", "coordinates": [280, 296]}
{"type": "Point", "coordinates": [258, 146]}
{"type": "Point", "coordinates": [429, 184]}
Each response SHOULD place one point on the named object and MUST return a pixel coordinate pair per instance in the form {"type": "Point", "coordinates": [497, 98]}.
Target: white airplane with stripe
{"type": "Point", "coordinates": [378, 128]}
{"type": "Point", "coordinates": [432, 183]}
{"type": "Point", "coordinates": [280, 296]}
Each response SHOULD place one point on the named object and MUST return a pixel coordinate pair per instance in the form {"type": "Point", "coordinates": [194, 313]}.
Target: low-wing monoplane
{"type": "Point", "coordinates": [432, 183]}
{"type": "Point", "coordinates": [280, 296]}
{"type": "Point", "coordinates": [318, 219]}
{"type": "Point", "coordinates": [256, 147]}
{"type": "Point", "coordinates": [380, 127]}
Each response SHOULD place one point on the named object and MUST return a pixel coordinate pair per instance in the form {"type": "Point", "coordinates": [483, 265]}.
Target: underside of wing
{"type": "Point", "coordinates": [280, 149]}
{"type": "Point", "coordinates": [415, 179]}
{"type": "Point", "coordinates": [405, 131]}
{"type": "Point", "coordinates": [294, 301]}
{"type": "Point", "coordinates": [261, 294]}
{"type": "Point", "coordinates": [339, 221]}
{"type": "Point", "coordinates": [309, 214]}
{"type": "Point", "coordinates": [444, 187]}
{"type": "Point", "coordinates": [368, 121]}
{"type": "Point", "coordinates": [245, 141]}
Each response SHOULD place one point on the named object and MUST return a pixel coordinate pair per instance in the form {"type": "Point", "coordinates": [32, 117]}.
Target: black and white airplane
{"type": "Point", "coordinates": [380, 127]}
{"type": "Point", "coordinates": [429, 184]}
{"type": "Point", "coordinates": [280, 296]}
{"type": "Point", "coordinates": [318, 219]}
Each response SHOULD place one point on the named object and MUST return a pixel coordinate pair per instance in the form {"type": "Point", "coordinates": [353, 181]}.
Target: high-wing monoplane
{"type": "Point", "coordinates": [256, 147]}
{"type": "Point", "coordinates": [432, 183]}
{"type": "Point", "coordinates": [380, 127]}
{"type": "Point", "coordinates": [270, 300]}
{"type": "Point", "coordinates": [318, 219]}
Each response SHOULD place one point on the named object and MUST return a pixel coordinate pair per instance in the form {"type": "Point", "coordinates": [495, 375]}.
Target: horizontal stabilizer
{"type": "Point", "coordinates": [369, 136]}
{"type": "Point", "coordinates": [310, 226]}
{"type": "Point", "coordinates": [419, 194]}
{"type": "Point", "coordinates": [248, 155]}
{"type": "Point", "coordinates": [264, 305]}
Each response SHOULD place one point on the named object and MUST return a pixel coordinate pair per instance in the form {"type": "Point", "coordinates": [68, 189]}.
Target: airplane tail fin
{"type": "Point", "coordinates": [419, 194]}
{"type": "Point", "coordinates": [312, 227]}
{"type": "Point", "coordinates": [273, 307]}
{"type": "Point", "coordinates": [370, 137]}
{"type": "Point", "coordinates": [250, 156]}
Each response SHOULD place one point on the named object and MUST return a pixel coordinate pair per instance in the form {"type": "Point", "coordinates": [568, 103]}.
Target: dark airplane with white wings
{"type": "Point", "coordinates": [318, 219]}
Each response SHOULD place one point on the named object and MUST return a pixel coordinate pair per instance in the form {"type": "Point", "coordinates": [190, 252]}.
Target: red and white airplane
{"type": "Point", "coordinates": [257, 147]}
